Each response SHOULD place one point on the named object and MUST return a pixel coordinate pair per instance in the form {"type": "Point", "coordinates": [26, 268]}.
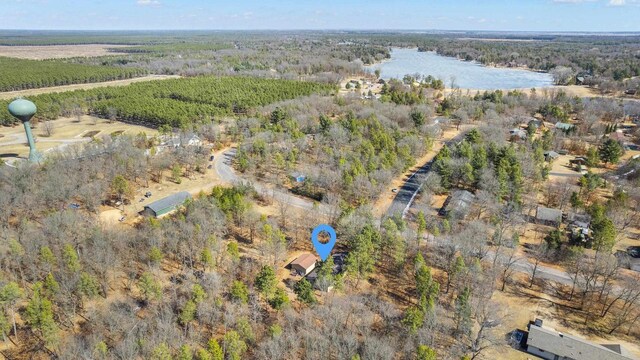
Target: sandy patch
{"type": "Point", "coordinates": [59, 51]}
{"type": "Point", "coordinates": [66, 131]}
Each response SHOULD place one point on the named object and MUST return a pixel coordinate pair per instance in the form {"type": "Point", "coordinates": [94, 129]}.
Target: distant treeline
{"type": "Point", "coordinates": [21, 74]}
{"type": "Point", "coordinates": [175, 102]}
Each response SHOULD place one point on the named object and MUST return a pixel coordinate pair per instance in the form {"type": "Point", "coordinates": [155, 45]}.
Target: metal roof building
{"type": "Point", "coordinates": [166, 205]}
{"type": "Point", "coordinates": [548, 216]}
{"type": "Point", "coordinates": [550, 344]}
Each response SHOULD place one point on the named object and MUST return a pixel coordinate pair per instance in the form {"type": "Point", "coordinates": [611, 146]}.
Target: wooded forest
{"type": "Point", "coordinates": [175, 102]}
{"type": "Point", "coordinates": [21, 74]}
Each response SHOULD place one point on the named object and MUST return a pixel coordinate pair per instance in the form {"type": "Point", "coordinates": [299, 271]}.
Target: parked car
{"type": "Point", "coordinates": [211, 158]}
{"type": "Point", "coordinates": [122, 218]}
{"type": "Point", "coordinates": [147, 194]}
{"type": "Point", "coordinates": [74, 206]}
{"type": "Point", "coordinates": [395, 190]}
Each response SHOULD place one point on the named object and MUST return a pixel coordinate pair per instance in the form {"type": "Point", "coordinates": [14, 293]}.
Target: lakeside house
{"type": "Point", "coordinates": [550, 344]}
{"type": "Point", "coordinates": [166, 205]}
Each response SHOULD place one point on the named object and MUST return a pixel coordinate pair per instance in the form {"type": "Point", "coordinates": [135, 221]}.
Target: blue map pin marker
{"type": "Point", "coordinates": [323, 249]}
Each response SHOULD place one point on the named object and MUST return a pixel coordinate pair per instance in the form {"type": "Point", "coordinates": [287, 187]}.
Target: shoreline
{"type": "Point", "coordinates": [475, 62]}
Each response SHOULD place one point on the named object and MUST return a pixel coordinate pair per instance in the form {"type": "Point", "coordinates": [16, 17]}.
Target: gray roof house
{"type": "Point", "coordinates": [458, 204]}
{"type": "Point", "coordinates": [166, 205]}
{"type": "Point", "coordinates": [579, 220]}
{"type": "Point", "coordinates": [550, 344]}
{"type": "Point", "coordinates": [550, 155]}
{"type": "Point", "coordinates": [519, 133]}
{"type": "Point", "coordinates": [548, 216]}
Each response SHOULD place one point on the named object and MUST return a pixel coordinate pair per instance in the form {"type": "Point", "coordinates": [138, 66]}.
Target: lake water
{"type": "Point", "coordinates": [468, 75]}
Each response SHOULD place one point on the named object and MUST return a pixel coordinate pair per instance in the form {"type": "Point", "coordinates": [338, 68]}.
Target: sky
{"type": "Point", "coordinates": [501, 15]}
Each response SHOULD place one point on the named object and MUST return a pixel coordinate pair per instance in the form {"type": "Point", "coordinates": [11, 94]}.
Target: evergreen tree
{"type": "Point", "coordinates": [304, 291]}
{"type": "Point", "coordinates": [426, 353]}
{"type": "Point", "coordinates": [234, 346]}
{"type": "Point", "coordinates": [426, 288]}
{"type": "Point", "coordinates": [610, 151]}
{"type": "Point", "coordinates": [266, 281]}
{"type": "Point", "coordinates": [150, 289]}
{"type": "Point", "coordinates": [239, 292]}
{"type": "Point", "coordinates": [39, 315]}
{"type": "Point", "coordinates": [161, 352]}
{"type": "Point", "coordinates": [215, 350]}
{"type": "Point", "coordinates": [279, 300]}
{"type": "Point", "coordinates": [462, 312]}
{"type": "Point", "coordinates": [10, 295]}
{"type": "Point", "coordinates": [413, 318]}
{"type": "Point", "coordinates": [185, 353]}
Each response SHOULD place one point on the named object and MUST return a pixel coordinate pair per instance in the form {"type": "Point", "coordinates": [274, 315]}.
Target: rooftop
{"type": "Point", "coordinates": [572, 347]}
{"type": "Point", "coordinates": [305, 260]}
{"type": "Point", "coordinates": [460, 200]}
{"type": "Point", "coordinates": [548, 214]}
{"type": "Point", "coordinates": [169, 201]}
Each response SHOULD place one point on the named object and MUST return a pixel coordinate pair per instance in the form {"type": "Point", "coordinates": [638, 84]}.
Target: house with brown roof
{"type": "Point", "coordinates": [304, 264]}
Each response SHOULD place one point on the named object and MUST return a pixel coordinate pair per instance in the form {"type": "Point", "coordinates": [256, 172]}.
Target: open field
{"type": "Point", "coordinates": [58, 89]}
{"type": "Point", "coordinates": [58, 51]}
{"type": "Point", "coordinates": [65, 131]}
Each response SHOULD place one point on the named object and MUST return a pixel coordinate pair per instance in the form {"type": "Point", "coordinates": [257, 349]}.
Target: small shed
{"type": "Point", "coordinates": [304, 264]}
{"type": "Point", "coordinates": [548, 216]}
{"type": "Point", "coordinates": [550, 155]}
{"type": "Point", "coordinates": [166, 205]}
{"type": "Point", "coordinates": [563, 126]}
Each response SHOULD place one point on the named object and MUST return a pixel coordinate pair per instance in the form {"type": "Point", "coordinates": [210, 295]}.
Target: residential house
{"type": "Point", "coordinates": [166, 205]}
{"type": "Point", "coordinates": [551, 155]}
{"type": "Point", "coordinates": [458, 204]}
{"type": "Point", "coordinates": [304, 264]}
{"type": "Point", "coordinates": [548, 216]}
{"type": "Point", "coordinates": [550, 344]}
{"type": "Point", "coordinates": [518, 133]}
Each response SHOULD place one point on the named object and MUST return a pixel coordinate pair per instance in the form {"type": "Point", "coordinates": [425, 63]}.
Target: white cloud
{"type": "Point", "coordinates": [148, 2]}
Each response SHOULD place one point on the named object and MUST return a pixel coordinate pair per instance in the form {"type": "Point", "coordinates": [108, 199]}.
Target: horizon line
{"type": "Point", "coordinates": [635, 32]}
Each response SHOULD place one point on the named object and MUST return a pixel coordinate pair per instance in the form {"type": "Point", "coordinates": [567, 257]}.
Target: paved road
{"type": "Point", "coordinates": [409, 190]}
{"type": "Point", "coordinates": [403, 200]}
